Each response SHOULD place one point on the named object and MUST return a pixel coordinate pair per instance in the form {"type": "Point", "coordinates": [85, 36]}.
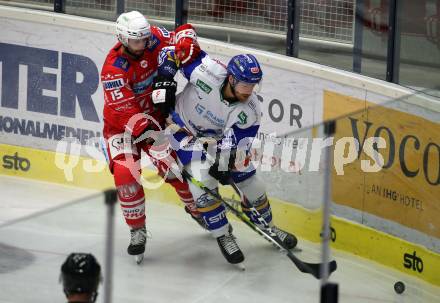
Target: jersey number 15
{"type": "Point", "coordinates": [116, 94]}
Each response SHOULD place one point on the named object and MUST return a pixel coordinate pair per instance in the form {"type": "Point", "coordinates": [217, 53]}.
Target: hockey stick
{"type": "Point", "coordinates": [332, 264]}
{"type": "Point", "coordinates": [310, 268]}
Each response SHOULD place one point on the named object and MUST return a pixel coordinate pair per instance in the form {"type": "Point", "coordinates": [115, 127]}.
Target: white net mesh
{"type": "Point", "coordinates": [328, 19]}
{"type": "Point", "coordinates": [270, 15]}
{"type": "Point", "coordinates": [107, 5]}
{"type": "Point", "coordinates": [320, 19]}
{"type": "Point", "coordinates": [159, 9]}
{"type": "Point", "coordinates": [32, 2]}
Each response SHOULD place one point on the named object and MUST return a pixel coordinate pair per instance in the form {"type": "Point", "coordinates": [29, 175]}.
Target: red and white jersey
{"type": "Point", "coordinates": [127, 84]}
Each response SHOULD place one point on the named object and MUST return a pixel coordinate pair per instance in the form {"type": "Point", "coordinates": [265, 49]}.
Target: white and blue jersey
{"type": "Point", "coordinates": [201, 109]}
{"type": "Point", "coordinates": [203, 112]}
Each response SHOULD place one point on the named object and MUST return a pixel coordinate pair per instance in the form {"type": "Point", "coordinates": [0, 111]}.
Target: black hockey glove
{"type": "Point", "coordinates": [223, 175]}
{"type": "Point", "coordinates": [164, 94]}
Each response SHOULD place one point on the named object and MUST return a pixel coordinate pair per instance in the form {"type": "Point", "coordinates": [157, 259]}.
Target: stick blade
{"type": "Point", "coordinates": [311, 268]}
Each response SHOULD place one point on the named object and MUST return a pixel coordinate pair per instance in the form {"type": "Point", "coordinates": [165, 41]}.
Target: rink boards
{"type": "Point", "coordinates": [52, 91]}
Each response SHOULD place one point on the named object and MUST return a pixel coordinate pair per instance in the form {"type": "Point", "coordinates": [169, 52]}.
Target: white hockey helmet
{"type": "Point", "coordinates": [132, 25]}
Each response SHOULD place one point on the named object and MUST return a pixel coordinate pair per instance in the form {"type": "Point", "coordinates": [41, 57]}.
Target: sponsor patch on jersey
{"type": "Point", "coordinates": [164, 31]}
{"type": "Point", "coordinates": [200, 108]}
{"type": "Point", "coordinates": [242, 117]}
{"type": "Point", "coordinates": [113, 84]}
{"type": "Point", "coordinates": [168, 70]}
{"type": "Point", "coordinates": [144, 63]}
{"type": "Point", "coordinates": [141, 87]}
{"type": "Point", "coordinates": [167, 58]}
{"type": "Point", "coordinates": [203, 67]}
{"type": "Point", "coordinates": [122, 63]}
{"type": "Point", "coordinates": [214, 119]}
{"type": "Point", "coordinates": [118, 146]}
{"type": "Point", "coordinates": [153, 43]}
{"type": "Point", "coordinates": [203, 86]}
{"type": "Point", "coordinates": [163, 55]}
{"type": "Point", "coordinates": [128, 191]}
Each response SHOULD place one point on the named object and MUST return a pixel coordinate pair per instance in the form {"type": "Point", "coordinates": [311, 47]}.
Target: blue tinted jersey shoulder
{"type": "Point", "coordinates": [241, 133]}
{"type": "Point", "coordinates": [188, 69]}
{"type": "Point", "coordinates": [167, 63]}
{"type": "Point", "coordinates": [122, 63]}
{"type": "Point", "coordinates": [153, 43]}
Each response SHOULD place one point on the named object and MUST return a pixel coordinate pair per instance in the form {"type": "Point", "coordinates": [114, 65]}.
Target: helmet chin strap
{"type": "Point", "coordinates": [234, 99]}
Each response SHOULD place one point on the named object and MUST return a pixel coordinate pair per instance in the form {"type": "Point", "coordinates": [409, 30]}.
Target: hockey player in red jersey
{"type": "Point", "coordinates": [128, 76]}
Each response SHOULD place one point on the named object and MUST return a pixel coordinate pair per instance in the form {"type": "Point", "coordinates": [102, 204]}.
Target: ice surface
{"type": "Point", "coordinates": [183, 263]}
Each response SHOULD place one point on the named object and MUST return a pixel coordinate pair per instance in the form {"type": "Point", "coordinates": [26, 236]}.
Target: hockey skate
{"type": "Point", "coordinates": [229, 248]}
{"type": "Point", "coordinates": [284, 238]}
{"type": "Point", "coordinates": [138, 241]}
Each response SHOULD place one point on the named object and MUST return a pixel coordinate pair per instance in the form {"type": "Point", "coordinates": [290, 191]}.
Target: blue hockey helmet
{"type": "Point", "coordinates": [245, 68]}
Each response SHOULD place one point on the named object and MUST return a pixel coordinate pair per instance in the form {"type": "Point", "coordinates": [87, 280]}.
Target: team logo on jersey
{"type": "Point", "coordinates": [113, 84]}
{"type": "Point", "coordinates": [167, 54]}
{"type": "Point", "coordinates": [153, 43]}
{"type": "Point", "coordinates": [203, 67]}
{"type": "Point", "coordinates": [203, 86]}
{"type": "Point", "coordinates": [128, 191]}
{"type": "Point", "coordinates": [200, 108]}
{"type": "Point", "coordinates": [117, 143]}
{"type": "Point", "coordinates": [162, 56]}
{"type": "Point", "coordinates": [144, 63]}
{"type": "Point", "coordinates": [242, 117]}
{"type": "Point", "coordinates": [122, 63]}
{"type": "Point", "coordinates": [171, 57]}
{"type": "Point", "coordinates": [164, 31]}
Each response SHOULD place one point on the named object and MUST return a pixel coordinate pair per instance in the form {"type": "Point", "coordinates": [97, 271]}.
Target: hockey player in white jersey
{"type": "Point", "coordinates": [218, 104]}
